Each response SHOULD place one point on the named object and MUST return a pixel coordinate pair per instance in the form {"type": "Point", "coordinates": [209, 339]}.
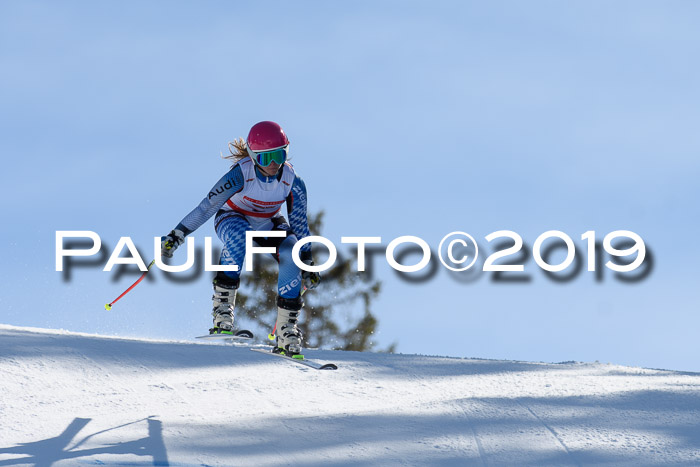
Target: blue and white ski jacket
{"type": "Point", "coordinates": [247, 192]}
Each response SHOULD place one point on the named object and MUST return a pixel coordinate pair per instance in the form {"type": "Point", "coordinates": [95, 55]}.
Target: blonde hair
{"type": "Point", "coordinates": [238, 150]}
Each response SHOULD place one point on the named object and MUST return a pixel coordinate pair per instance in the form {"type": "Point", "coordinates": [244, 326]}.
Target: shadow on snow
{"type": "Point", "coordinates": [48, 451]}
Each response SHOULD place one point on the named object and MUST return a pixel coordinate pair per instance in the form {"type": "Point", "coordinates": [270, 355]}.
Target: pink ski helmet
{"type": "Point", "coordinates": [267, 143]}
{"type": "Point", "coordinates": [266, 136]}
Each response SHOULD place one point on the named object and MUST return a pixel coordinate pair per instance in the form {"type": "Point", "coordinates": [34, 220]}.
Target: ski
{"type": "Point", "coordinates": [310, 363]}
{"type": "Point", "coordinates": [241, 335]}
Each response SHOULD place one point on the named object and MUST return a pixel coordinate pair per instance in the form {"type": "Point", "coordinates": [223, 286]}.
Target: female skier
{"type": "Point", "coordinates": [250, 197]}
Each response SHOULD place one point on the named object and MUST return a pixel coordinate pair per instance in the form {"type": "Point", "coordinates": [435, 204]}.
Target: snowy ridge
{"type": "Point", "coordinates": [77, 399]}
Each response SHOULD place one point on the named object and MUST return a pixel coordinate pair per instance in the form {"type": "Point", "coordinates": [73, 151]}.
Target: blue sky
{"type": "Point", "coordinates": [406, 118]}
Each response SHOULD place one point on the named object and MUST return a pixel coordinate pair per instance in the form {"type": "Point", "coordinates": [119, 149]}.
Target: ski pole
{"type": "Point", "coordinates": [272, 336]}
{"type": "Point", "coordinates": [108, 306]}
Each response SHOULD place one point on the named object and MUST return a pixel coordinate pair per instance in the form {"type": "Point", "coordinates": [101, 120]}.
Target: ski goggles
{"type": "Point", "coordinates": [265, 158]}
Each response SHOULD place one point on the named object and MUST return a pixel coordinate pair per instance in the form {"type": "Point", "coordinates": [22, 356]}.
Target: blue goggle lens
{"type": "Point", "coordinates": [266, 158]}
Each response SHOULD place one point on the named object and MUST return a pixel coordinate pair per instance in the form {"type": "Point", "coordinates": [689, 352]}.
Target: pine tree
{"type": "Point", "coordinates": [336, 315]}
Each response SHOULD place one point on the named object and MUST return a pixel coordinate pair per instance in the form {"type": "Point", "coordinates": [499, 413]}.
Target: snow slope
{"type": "Point", "coordinates": [74, 399]}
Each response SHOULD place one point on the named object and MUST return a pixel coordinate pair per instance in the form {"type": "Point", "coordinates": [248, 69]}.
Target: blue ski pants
{"type": "Point", "coordinates": [231, 230]}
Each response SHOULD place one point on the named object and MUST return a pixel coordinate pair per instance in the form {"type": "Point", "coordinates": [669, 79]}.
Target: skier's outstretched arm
{"type": "Point", "coordinates": [226, 187]}
{"type": "Point", "coordinates": [296, 208]}
{"type": "Point", "coordinates": [299, 222]}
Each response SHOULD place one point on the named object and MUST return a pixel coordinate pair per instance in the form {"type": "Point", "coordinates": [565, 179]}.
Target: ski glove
{"type": "Point", "coordinates": [170, 242]}
{"type": "Point", "coordinates": [310, 279]}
